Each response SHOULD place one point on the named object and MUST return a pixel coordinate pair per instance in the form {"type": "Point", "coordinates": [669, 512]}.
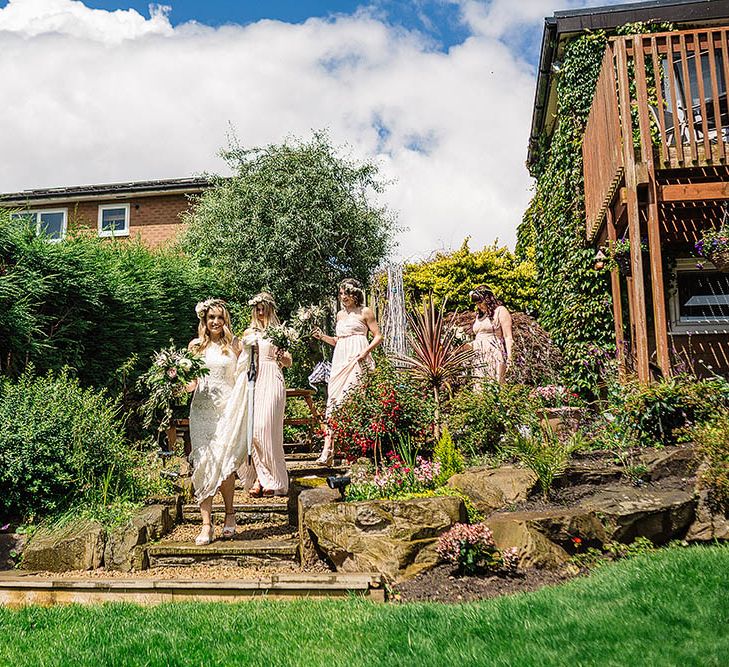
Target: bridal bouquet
{"type": "Point", "coordinates": [308, 317]}
{"type": "Point", "coordinates": [172, 370]}
{"type": "Point", "coordinates": [281, 336]}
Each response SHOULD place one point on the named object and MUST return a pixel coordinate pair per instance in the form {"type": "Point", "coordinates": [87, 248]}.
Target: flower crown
{"type": "Point", "coordinates": [262, 298]}
{"type": "Point", "coordinates": [203, 307]}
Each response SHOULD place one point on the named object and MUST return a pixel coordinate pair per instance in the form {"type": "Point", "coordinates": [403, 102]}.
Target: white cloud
{"type": "Point", "coordinates": [92, 96]}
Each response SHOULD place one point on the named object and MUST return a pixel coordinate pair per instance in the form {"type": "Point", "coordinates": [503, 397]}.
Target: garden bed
{"type": "Point", "coordinates": [442, 585]}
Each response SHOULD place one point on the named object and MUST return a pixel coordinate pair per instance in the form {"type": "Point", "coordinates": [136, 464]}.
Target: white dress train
{"type": "Point", "coordinates": [218, 420]}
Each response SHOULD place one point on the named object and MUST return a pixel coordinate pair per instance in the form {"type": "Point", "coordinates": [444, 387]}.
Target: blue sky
{"type": "Point", "coordinates": [436, 18]}
{"type": "Point", "coordinates": [438, 93]}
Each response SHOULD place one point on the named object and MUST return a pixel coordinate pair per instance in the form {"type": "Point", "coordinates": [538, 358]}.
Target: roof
{"type": "Point", "coordinates": [106, 191]}
{"type": "Point", "coordinates": [565, 24]}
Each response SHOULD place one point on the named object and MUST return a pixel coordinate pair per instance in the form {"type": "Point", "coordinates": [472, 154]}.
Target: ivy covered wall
{"type": "Point", "coordinates": [575, 301]}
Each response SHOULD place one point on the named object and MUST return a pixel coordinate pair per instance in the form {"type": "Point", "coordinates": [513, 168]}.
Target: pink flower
{"type": "Point", "coordinates": [172, 373]}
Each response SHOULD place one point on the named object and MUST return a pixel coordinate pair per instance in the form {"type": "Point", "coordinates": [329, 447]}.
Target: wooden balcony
{"type": "Point", "coordinates": [660, 104]}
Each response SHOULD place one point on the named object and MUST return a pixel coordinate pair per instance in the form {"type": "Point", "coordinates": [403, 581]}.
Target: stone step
{"type": "Point", "coordinates": [297, 447]}
{"type": "Point", "coordinates": [309, 468]}
{"type": "Point", "coordinates": [22, 589]}
{"type": "Point", "coordinates": [302, 456]}
{"type": "Point", "coordinates": [243, 552]}
{"type": "Point", "coordinates": [244, 512]}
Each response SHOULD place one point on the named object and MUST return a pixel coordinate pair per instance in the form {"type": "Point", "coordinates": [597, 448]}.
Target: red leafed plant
{"type": "Point", "coordinates": [439, 356]}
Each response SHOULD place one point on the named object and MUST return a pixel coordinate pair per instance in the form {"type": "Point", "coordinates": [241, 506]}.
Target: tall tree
{"type": "Point", "coordinates": [295, 219]}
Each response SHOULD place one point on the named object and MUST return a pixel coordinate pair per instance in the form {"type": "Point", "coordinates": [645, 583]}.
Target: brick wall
{"type": "Point", "coordinates": [155, 219]}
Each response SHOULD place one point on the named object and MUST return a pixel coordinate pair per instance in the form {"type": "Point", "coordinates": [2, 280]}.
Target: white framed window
{"type": "Point", "coordinates": [50, 223]}
{"type": "Point", "coordinates": [699, 302]}
{"type": "Point", "coordinates": [114, 220]}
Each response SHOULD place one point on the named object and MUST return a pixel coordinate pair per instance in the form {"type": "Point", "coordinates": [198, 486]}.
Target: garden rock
{"type": "Point", "coordinates": [590, 472]}
{"type": "Point", "coordinates": [533, 548]}
{"type": "Point", "coordinates": [123, 549]}
{"type": "Point", "coordinates": [307, 499]}
{"type": "Point", "coordinates": [73, 547]}
{"type": "Point", "coordinates": [708, 525]}
{"type": "Point", "coordinates": [669, 462]}
{"type": "Point", "coordinates": [394, 537]}
{"type": "Point", "coordinates": [297, 485]}
{"type": "Point", "coordinates": [491, 488]}
{"type": "Point", "coordinates": [11, 547]}
{"type": "Point", "coordinates": [561, 525]}
{"type": "Point", "coordinates": [629, 512]}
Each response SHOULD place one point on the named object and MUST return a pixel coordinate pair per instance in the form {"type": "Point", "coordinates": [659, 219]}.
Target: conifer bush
{"type": "Point", "coordinates": [59, 443]}
{"type": "Point", "coordinates": [92, 304]}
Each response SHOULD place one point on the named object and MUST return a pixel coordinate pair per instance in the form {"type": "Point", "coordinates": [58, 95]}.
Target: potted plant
{"type": "Point", "coordinates": [714, 246]}
{"type": "Point", "coordinates": [618, 253]}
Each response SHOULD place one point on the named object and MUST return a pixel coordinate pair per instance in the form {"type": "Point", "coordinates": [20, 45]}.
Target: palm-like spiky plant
{"type": "Point", "coordinates": [439, 355]}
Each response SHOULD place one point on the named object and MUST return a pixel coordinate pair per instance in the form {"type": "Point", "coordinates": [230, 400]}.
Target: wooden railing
{"type": "Point", "coordinates": [602, 148]}
{"type": "Point", "coordinates": [677, 91]}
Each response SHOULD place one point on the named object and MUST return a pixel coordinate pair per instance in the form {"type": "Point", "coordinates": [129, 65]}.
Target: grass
{"type": "Point", "coordinates": [667, 608]}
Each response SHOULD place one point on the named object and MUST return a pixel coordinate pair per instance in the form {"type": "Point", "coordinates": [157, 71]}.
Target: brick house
{"type": "Point", "coordinates": [148, 209]}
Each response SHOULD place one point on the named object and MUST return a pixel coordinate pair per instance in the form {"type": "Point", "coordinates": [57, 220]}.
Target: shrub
{"type": "Point", "coordinates": [543, 452]}
{"type": "Point", "coordinates": [472, 548]}
{"type": "Point", "coordinates": [377, 413]}
{"type": "Point", "coordinates": [712, 443]}
{"type": "Point", "coordinates": [479, 419]}
{"type": "Point", "coordinates": [655, 413]}
{"type": "Point", "coordinates": [447, 455]}
{"type": "Point", "coordinates": [92, 304]}
{"type": "Point", "coordinates": [58, 442]}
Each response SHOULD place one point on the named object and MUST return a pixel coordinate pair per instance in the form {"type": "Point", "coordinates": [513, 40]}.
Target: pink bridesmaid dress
{"type": "Point", "coordinates": [489, 350]}
{"type": "Point", "coordinates": [269, 465]}
{"type": "Point", "coordinates": [346, 371]}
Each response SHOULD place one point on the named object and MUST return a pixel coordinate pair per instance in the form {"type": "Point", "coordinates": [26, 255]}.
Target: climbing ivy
{"type": "Point", "coordinates": [575, 300]}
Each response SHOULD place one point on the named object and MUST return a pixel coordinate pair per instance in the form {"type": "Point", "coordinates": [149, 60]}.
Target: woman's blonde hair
{"type": "Point", "coordinates": [203, 335]}
{"type": "Point", "coordinates": [270, 316]}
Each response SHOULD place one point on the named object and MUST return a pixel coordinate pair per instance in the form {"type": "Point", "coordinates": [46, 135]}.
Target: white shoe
{"type": "Point", "coordinates": [326, 457]}
{"type": "Point", "coordinates": [228, 530]}
{"type": "Point", "coordinates": [205, 536]}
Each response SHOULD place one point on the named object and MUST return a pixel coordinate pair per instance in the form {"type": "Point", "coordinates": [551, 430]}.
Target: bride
{"type": "Point", "coordinates": [217, 431]}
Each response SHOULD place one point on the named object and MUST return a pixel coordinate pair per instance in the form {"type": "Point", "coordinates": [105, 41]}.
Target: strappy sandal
{"type": "Point", "coordinates": [205, 536]}
{"type": "Point", "coordinates": [255, 491]}
{"type": "Point", "coordinates": [229, 531]}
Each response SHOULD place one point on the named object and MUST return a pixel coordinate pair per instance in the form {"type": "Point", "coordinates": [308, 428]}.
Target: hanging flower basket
{"type": "Point", "coordinates": [622, 261]}
{"type": "Point", "coordinates": [618, 253]}
{"type": "Point", "coordinates": [714, 246]}
{"type": "Point", "coordinates": [714, 243]}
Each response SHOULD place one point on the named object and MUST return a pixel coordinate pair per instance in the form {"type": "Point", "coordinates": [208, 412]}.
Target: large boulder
{"type": "Point", "coordinates": [491, 488]}
{"type": "Point", "coordinates": [306, 499]}
{"type": "Point", "coordinates": [533, 548]}
{"type": "Point", "coordinates": [124, 551]}
{"type": "Point", "coordinates": [394, 537]}
{"type": "Point", "coordinates": [630, 512]}
{"type": "Point", "coordinates": [72, 547]}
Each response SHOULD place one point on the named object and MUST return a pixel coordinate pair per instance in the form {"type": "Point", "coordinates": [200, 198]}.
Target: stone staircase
{"type": "Point", "coordinates": [265, 536]}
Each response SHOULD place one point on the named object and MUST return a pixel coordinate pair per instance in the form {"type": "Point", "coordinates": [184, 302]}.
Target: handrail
{"type": "Point", "coordinates": [685, 111]}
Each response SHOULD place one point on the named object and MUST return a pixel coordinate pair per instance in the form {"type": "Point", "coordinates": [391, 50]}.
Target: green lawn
{"type": "Point", "coordinates": [669, 608]}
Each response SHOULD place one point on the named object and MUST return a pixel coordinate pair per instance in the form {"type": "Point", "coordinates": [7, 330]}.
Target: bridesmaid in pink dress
{"type": "Point", "coordinates": [268, 475]}
{"type": "Point", "coordinates": [493, 338]}
{"type": "Point", "coordinates": [352, 350]}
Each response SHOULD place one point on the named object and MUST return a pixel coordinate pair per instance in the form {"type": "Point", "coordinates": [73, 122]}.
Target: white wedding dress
{"type": "Point", "coordinates": [218, 420]}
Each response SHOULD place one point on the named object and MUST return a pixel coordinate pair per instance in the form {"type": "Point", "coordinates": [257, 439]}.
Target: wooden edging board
{"type": "Point", "coordinates": [17, 590]}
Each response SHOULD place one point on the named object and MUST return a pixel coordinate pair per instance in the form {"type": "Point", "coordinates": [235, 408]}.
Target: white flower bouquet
{"type": "Point", "coordinates": [164, 383]}
{"type": "Point", "coordinates": [281, 336]}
